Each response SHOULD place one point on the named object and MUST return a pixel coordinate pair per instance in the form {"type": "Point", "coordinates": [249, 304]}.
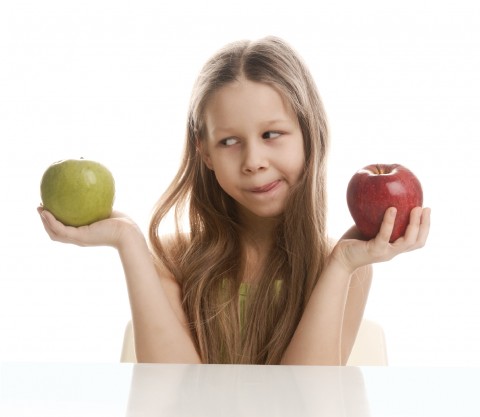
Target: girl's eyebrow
{"type": "Point", "coordinates": [217, 130]}
{"type": "Point", "coordinates": [226, 129]}
{"type": "Point", "coordinates": [275, 121]}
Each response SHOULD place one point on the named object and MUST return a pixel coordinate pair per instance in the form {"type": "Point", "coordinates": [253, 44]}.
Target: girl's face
{"type": "Point", "coordinates": [254, 145]}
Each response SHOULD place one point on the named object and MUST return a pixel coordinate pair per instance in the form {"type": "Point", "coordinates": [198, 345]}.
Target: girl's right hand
{"type": "Point", "coordinates": [108, 232]}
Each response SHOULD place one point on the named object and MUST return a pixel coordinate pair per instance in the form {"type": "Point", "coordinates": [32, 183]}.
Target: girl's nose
{"type": "Point", "coordinates": [255, 159]}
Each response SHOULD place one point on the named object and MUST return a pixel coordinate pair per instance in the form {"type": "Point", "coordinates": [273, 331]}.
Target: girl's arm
{"type": "Point", "coordinates": [356, 301]}
{"type": "Point", "coordinates": [330, 322]}
{"type": "Point", "coordinates": [159, 323]}
{"type": "Point", "coordinates": [160, 327]}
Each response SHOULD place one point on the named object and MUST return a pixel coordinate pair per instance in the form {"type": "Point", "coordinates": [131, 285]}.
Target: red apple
{"type": "Point", "coordinates": [377, 187]}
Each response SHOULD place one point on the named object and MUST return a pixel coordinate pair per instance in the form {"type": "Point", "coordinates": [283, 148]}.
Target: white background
{"type": "Point", "coordinates": [110, 80]}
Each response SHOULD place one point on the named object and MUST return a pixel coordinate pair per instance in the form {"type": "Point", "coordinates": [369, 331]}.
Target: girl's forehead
{"type": "Point", "coordinates": [245, 101]}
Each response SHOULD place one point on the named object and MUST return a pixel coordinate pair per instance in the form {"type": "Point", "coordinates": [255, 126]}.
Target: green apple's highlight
{"type": "Point", "coordinates": [78, 192]}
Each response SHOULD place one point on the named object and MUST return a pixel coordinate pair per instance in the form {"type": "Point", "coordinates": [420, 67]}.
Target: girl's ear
{"type": "Point", "coordinates": [201, 149]}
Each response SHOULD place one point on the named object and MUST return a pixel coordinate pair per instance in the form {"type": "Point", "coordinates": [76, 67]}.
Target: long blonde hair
{"type": "Point", "coordinates": [206, 261]}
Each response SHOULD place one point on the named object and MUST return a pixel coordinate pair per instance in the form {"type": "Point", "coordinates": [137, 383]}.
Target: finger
{"type": "Point", "coordinates": [413, 228]}
{"type": "Point", "coordinates": [42, 218]}
{"type": "Point", "coordinates": [48, 217]}
{"type": "Point", "coordinates": [418, 229]}
{"type": "Point", "coordinates": [58, 231]}
{"type": "Point", "coordinates": [424, 227]}
{"type": "Point", "coordinates": [47, 227]}
{"type": "Point", "coordinates": [53, 227]}
{"type": "Point", "coordinates": [386, 227]}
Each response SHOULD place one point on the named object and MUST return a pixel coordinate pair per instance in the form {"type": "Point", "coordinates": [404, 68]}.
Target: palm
{"type": "Point", "coordinates": [102, 233]}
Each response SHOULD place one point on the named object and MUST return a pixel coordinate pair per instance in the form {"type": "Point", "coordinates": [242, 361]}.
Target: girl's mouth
{"type": "Point", "coordinates": [265, 188]}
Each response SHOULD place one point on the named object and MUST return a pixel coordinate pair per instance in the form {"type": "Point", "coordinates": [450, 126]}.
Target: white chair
{"type": "Point", "coordinates": [128, 346]}
{"type": "Point", "coordinates": [369, 348]}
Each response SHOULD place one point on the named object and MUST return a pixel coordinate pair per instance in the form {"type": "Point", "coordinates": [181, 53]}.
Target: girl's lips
{"type": "Point", "coordinates": [265, 188]}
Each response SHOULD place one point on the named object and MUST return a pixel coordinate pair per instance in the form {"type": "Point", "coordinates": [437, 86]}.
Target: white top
{"type": "Point", "coordinates": [132, 390]}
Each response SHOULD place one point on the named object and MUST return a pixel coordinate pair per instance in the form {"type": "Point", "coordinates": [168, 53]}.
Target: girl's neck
{"type": "Point", "coordinates": [257, 240]}
{"type": "Point", "coordinates": [257, 232]}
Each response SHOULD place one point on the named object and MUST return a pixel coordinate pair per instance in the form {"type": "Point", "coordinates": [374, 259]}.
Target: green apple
{"type": "Point", "coordinates": [78, 192]}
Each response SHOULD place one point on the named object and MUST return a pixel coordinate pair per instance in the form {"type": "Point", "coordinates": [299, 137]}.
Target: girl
{"type": "Point", "coordinates": [255, 279]}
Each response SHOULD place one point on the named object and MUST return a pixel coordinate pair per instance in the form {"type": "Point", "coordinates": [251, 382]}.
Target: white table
{"type": "Point", "coordinates": [111, 389]}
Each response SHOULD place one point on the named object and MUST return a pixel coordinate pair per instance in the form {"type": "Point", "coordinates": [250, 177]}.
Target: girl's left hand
{"type": "Point", "coordinates": [353, 253]}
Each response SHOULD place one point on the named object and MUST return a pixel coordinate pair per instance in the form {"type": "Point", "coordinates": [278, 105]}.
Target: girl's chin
{"type": "Point", "coordinates": [256, 214]}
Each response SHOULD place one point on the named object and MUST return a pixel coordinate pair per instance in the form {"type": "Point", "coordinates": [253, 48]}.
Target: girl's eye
{"type": "Point", "coordinates": [271, 135]}
{"type": "Point", "coordinates": [229, 141]}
